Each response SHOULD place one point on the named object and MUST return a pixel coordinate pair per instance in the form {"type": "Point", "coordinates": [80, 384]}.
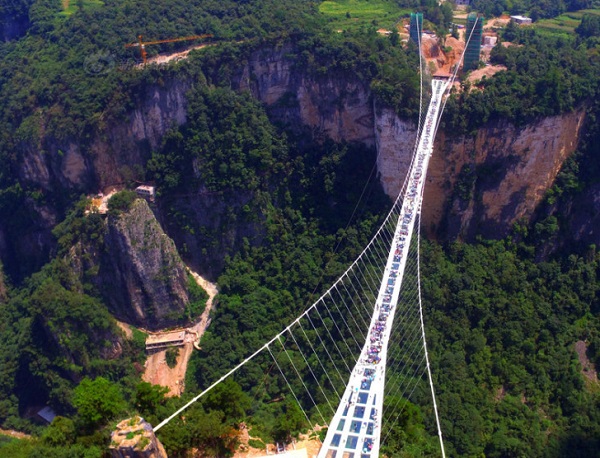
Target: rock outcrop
{"type": "Point", "coordinates": [114, 151]}
{"type": "Point", "coordinates": [513, 166]}
{"type": "Point", "coordinates": [135, 438]}
{"type": "Point", "coordinates": [334, 105]}
{"type": "Point", "coordinates": [141, 275]}
{"type": "Point", "coordinates": [483, 184]}
{"type": "Point", "coordinates": [3, 291]}
{"type": "Point", "coordinates": [74, 166]}
{"type": "Point", "coordinates": [395, 141]}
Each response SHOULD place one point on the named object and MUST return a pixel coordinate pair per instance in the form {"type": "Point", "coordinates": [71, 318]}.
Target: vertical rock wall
{"type": "Point", "coordinates": [141, 274]}
{"type": "Point", "coordinates": [483, 184]}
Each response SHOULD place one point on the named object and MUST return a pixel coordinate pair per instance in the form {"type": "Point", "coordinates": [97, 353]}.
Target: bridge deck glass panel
{"type": "Point", "coordinates": [369, 381]}
{"type": "Point", "coordinates": [351, 442]}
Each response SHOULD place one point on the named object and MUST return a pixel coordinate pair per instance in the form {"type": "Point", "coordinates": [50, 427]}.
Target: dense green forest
{"type": "Point", "coordinates": [502, 316]}
{"type": "Point", "coordinates": [545, 76]}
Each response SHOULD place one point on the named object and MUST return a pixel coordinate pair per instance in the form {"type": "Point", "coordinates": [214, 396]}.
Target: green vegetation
{"type": "Point", "coordinates": [171, 356]}
{"type": "Point", "coordinates": [97, 401]}
{"type": "Point", "coordinates": [546, 76]}
{"type": "Point", "coordinates": [502, 329]}
{"type": "Point", "coordinates": [121, 202]}
{"type": "Point", "coordinates": [536, 9]}
{"type": "Point", "coordinates": [566, 22]}
{"type": "Point", "coordinates": [72, 6]}
{"type": "Point", "coordinates": [590, 25]}
{"type": "Point", "coordinates": [198, 298]}
{"type": "Point", "coordinates": [358, 14]}
{"type": "Point", "coordinates": [257, 443]}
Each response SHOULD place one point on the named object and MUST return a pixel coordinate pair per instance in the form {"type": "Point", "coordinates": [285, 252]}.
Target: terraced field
{"type": "Point", "coordinates": [565, 23]}
{"type": "Point", "coordinates": [354, 14]}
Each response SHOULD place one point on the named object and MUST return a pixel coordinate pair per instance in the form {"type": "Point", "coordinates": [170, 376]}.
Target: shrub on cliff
{"type": "Point", "coordinates": [121, 202]}
{"type": "Point", "coordinates": [98, 400]}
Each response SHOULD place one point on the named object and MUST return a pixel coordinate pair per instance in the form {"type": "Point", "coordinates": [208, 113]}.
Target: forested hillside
{"type": "Point", "coordinates": [288, 209]}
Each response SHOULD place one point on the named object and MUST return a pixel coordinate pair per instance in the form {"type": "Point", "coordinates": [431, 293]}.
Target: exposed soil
{"type": "Point", "coordinates": [438, 61]}
{"type": "Point", "coordinates": [501, 21]}
{"type": "Point", "coordinates": [15, 434]}
{"type": "Point", "coordinates": [312, 447]}
{"type": "Point", "coordinates": [477, 75]}
{"type": "Point", "coordinates": [157, 371]}
{"type": "Point", "coordinates": [126, 329]}
{"type": "Point", "coordinates": [587, 367]}
{"type": "Point", "coordinates": [166, 58]}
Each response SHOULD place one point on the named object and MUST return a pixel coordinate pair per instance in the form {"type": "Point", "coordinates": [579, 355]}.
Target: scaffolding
{"type": "Point", "coordinates": [416, 27]}
{"type": "Point", "coordinates": [474, 24]}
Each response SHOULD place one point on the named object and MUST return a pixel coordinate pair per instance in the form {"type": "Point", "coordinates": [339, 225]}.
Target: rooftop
{"type": "Point", "coordinates": [165, 338]}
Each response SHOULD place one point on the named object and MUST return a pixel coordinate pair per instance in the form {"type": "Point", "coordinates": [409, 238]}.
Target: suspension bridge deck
{"type": "Point", "coordinates": [354, 431]}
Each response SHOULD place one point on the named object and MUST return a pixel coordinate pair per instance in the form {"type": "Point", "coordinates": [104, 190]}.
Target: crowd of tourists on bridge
{"type": "Point", "coordinates": [377, 331]}
{"type": "Point", "coordinates": [385, 307]}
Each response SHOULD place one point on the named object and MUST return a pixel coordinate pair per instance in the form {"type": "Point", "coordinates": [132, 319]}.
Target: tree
{"type": "Point", "coordinates": [98, 400]}
{"type": "Point", "coordinates": [121, 202]}
{"type": "Point", "coordinates": [171, 356]}
{"type": "Point", "coordinates": [589, 27]}
{"type": "Point", "coordinates": [290, 423]}
{"type": "Point", "coordinates": [229, 398]}
{"type": "Point", "coordinates": [60, 432]}
{"type": "Point", "coordinates": [148, 397]}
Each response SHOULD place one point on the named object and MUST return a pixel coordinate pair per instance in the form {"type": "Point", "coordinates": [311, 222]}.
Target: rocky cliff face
{"type": "Point", "coordinates": [513, 166]}
{"type": "Point", "coordinates": [335, 106]}
{"type": "Point", "coordinates": [74, 167]}
{"type": "Point", "coordinates": [395, 141]}
{"type": "Point", "coordinates": [116, 149]}
{"type": "Point", "coordinates": [3, 291]}
{"type": "Point", "coordinates": [478, 185]}
{"type": "Point", "coordinates": [483, 184]}
{"type": "Point", "coordinates": [142, 276]}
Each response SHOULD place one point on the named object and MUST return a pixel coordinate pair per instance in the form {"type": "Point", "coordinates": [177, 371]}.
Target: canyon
{"type": "Point", "coordinates": [479, 184]}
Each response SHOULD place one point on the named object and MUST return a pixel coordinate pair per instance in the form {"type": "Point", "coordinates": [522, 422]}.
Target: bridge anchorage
{"type": "Point", "coordinates": [356, 426]}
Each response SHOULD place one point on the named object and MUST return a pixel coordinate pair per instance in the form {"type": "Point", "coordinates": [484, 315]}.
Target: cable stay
{"type": "Point", "coordinates": [358, 355]}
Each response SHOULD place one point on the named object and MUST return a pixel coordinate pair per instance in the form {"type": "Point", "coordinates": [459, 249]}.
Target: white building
{"type": "Point", "coordinates": [147, 192]}
{"type": "Point", "coordinates": [521, 20]}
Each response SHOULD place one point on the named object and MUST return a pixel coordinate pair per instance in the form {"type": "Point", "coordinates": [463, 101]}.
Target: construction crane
{"type": "Point", "coordinates": [142, 44]}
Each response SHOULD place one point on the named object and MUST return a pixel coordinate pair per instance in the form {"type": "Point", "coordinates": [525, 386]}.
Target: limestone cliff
{"type": "Point", "coordinates": [395, 141]}
{"type": "Point", "coordinates": [513, 166]}
{"type": "Point", "coordinates": [483, 184]}
{"type": "Point", "coordinates": [3, 291]}
{"type": "Point", "coordinates": [74, 166]}
{"type": "Point", "coordinates": [142, 276]}
{"type": "Point", "coordinates": [335, 105]}
{"type": "Point", "coordinates": [115, 148]}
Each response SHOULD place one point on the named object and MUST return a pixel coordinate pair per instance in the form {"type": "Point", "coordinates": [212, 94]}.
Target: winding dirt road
{"type": "Point", "coordinates": [156, 369]}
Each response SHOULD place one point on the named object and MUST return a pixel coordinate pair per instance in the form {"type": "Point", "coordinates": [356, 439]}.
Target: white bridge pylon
{"type": "Point", "coordinates": [355, 428]}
